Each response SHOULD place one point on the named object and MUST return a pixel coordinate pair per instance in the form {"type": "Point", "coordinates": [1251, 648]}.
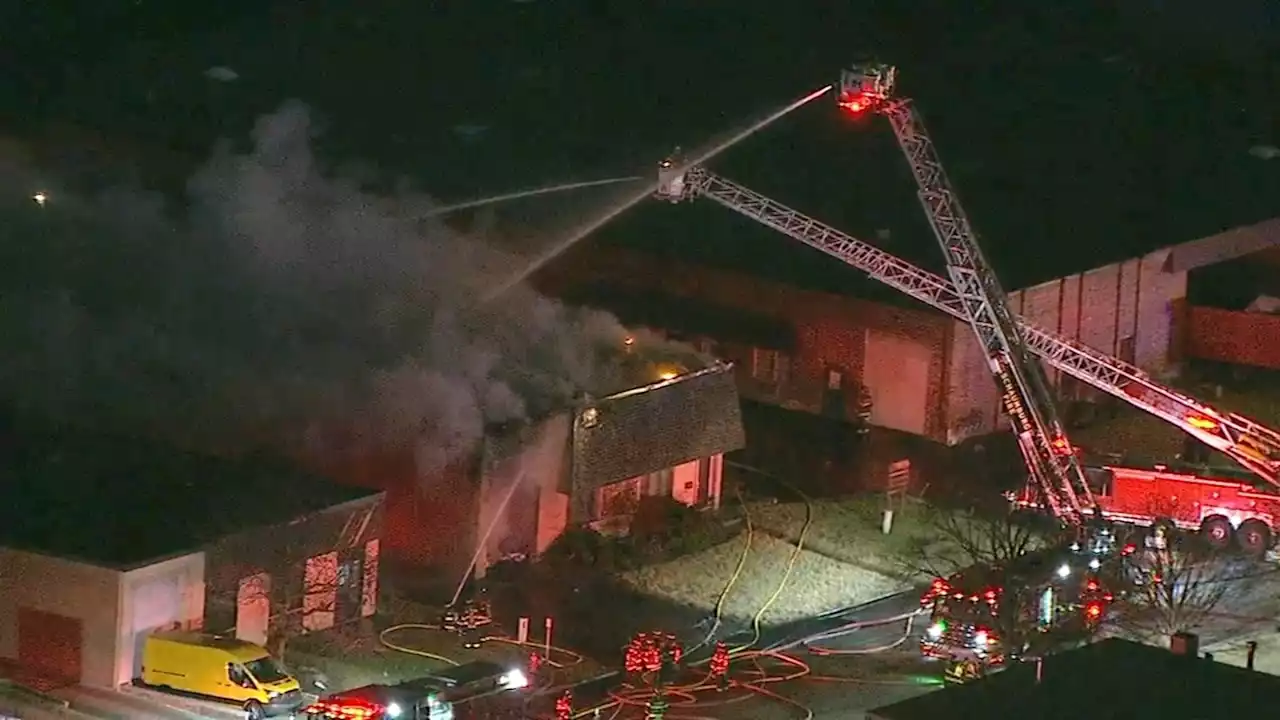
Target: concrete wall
{"type": "Point", "coordinates": [88, 593]}
{"type": "Point", "coordinates": [1126, 310]}
{"type": "Point", "coordinates": [163, 596]}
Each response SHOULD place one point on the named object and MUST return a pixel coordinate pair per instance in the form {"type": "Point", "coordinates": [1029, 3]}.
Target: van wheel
{"type": "Point", "coordinates": [1217, 531]}
{"type": "Point", "coordinates": [1255, 537]}
{"type": "Point", "coordinates": [253, 710]}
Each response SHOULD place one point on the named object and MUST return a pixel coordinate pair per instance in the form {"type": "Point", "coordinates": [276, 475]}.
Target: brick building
{"type": "Point", "coordinates": [105, 539]}
{"type": "Point", "coordinates": [815, 351]}
{"type": "Point", "coordinates": [584, 464]}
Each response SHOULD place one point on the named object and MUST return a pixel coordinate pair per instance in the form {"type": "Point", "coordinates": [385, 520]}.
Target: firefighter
{"type": "Point", "coordinates": [963, 670]}
{"type": "Point", "coordinates": [470, 626]}
{"type": "Point", "coordinates": [865, 406]}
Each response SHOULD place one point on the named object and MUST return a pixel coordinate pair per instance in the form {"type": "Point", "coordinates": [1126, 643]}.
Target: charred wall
{"type": "Point", "coordinates": [281, 551]}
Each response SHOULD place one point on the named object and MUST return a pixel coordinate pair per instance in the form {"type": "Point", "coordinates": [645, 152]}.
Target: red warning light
{"type": "Point", "coordinates": [1061, 446]}
{"type": "Point", "coordinates": [854, 103]}
{"type": "Point", "coordinates": [1093, 611]}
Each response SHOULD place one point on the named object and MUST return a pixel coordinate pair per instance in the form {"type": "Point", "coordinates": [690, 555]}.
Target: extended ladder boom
{"type": "Point", "coordinates": [1249, 443]}
{"type": "Point", "coordinates": [1024, 390]}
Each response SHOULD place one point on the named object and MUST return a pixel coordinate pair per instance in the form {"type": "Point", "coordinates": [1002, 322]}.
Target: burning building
{"type": "Point", "coordinates": [662, 429]}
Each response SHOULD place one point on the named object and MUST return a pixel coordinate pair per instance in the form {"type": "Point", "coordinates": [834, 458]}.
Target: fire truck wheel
{"type": "Point", "coordinates": [1254, 536]}
{"type": "Point", "coordinates": [253, 710]}
{"type": "Point", "coordinates": [1217, 531]}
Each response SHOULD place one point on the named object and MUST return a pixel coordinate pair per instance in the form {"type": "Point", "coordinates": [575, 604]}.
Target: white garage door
{"type": "Point", "coordinates": [896, 371]}
{"type": "Point", "coordinates": [157, 605]}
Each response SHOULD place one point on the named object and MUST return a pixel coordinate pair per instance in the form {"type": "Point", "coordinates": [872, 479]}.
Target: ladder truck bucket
{"type": "Point", "coordinates": [866, 86]}
{"type": "Point", "coordinates": [672, 186]}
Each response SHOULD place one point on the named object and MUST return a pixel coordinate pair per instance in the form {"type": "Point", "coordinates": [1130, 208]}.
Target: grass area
{"type": "Point", "coordinates": [845, 560]}
{"type": "Point", "coordinates": [816, 584]}
{"type": "Point", "coordinates": [355, 660]}
{"type": "Point", "coordinates": [848, 530]}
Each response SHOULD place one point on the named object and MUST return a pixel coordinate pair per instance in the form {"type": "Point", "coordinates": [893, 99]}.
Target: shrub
{"type": "Point", "coordinates": [663, 527]}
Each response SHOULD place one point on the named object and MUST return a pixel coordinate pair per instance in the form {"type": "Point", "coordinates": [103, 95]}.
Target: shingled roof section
{"type": "Point", "coordinates": [658, 426]}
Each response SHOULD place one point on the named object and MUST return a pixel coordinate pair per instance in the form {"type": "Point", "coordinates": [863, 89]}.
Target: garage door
{"type": "Point", "coordinates": [896, 372]}
{"type": "Point", "coordinates": [49, 645]}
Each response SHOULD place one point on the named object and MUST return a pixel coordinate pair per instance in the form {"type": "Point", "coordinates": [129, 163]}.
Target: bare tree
{"type": "Point", "coordinates": [949, 541]}
{"type": "Point", "coordinates": [1013, 557]}
{"type": "Point", "coordinates": [1179, 590]}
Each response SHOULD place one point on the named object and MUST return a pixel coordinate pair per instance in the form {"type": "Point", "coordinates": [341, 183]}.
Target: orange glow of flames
{"type": "Point", "coordinates": [1200, 422]}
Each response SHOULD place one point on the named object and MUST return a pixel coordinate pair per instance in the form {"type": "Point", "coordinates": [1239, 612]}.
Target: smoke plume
{"type": "Point", "coordinates": [276, 304]}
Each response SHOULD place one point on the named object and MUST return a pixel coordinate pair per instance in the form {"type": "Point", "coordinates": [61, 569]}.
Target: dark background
{"type": "Point", "coordinates": [1078, 133]}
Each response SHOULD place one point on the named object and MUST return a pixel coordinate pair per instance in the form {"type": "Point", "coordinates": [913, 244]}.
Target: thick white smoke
{"type": "Point", "coordinates": [278, 304]}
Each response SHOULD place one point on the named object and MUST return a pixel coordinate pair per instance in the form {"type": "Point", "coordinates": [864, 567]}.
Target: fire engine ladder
{"type": "Point", "coordinates": [1023, 387]}
{"type": "Point", "coordinates": [1249, 443]}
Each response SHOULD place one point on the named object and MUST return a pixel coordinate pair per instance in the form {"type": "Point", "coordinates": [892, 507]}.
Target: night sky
{"type": "Point", "coordinates": [1076, 133]}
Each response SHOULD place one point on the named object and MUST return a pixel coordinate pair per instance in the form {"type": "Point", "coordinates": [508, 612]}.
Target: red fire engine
{"type": "Point", "coordinates": [971, 292]}
{"type": "Point", "coordinates": [972, 612]}
{"type": "Point", "coordinates": [1223, 509]}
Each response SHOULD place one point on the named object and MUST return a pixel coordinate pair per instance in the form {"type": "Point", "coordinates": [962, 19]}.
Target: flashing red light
{"type": "Point", "coordinates": [1092, 585]}
{"type": "Point", "coordinates": [1093, 611]}
{"type": "Point", "coordinates": [855, 104]}
{"type": "Point", "coordinates": [346, 710]}
{"type": "Point", "coordinates": [1061, 446]}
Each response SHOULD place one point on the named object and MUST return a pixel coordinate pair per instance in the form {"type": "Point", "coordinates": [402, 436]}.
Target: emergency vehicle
{"type": "Point", "coordinates": [1224, 509]}
{"type": "Point", "coordinates": [971, 612]}
{"type": "Point", "coordinates": [434, 697]}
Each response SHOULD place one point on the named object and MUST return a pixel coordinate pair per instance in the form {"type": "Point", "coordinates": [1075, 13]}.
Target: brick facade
{"type": "Point", "coordinates": [830, 331]}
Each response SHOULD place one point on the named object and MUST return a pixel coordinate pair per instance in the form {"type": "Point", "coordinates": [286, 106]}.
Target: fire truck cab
{"type": "Point", "coordinates": [434, 697]}
{"type": "Point", "coordinates": [1047, 588]}
{"type": "Point", "coordinates": [1223, 509]}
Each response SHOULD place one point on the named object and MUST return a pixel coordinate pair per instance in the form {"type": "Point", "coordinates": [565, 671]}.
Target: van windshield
{"type": "Point", "coordinates": [266, 670]}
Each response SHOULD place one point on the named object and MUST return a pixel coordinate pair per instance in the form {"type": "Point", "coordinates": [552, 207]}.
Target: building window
{"type": "Point", "coordinates": [835, 379]}
{"type": "Point", "coordinates": [766, 365]}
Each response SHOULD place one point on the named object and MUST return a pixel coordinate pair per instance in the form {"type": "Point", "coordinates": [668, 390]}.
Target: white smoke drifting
{"type": "Point", "coordinates": [277, 304]}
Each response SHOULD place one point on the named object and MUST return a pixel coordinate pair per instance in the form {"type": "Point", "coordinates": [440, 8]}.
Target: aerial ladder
{"type": "Point", "coordinates": [1024, 390]}
{"type": "Point", "coordinates": [1251, 444]}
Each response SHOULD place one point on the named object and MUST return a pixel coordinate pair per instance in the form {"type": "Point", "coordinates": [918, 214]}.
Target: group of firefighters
{"type": "Point", "coordinates": [469, 620]}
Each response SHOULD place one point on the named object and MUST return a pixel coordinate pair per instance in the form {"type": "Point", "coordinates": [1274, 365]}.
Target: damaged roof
{"type": "Point", "coordinates": [658, 426]}
{"type": "Point", "coordinates": [122, 502]}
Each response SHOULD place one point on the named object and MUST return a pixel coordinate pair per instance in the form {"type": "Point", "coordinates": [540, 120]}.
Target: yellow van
{"type": "Point", "coordinates": [225, 669]}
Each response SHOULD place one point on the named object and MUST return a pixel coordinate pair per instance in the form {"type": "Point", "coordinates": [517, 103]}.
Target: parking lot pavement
{"type": "Point", "coordinates": [130, 702]}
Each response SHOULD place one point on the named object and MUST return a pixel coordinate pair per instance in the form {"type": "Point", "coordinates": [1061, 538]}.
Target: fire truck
{"type": "Point", "coordinates": [983, 617]}
{"type": "Point", "coordinates": [1057, 481]}
{"type": "Point", "coordinates": [447, 695]}
{"type": "Point", "coordinates": [1223, 509]}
